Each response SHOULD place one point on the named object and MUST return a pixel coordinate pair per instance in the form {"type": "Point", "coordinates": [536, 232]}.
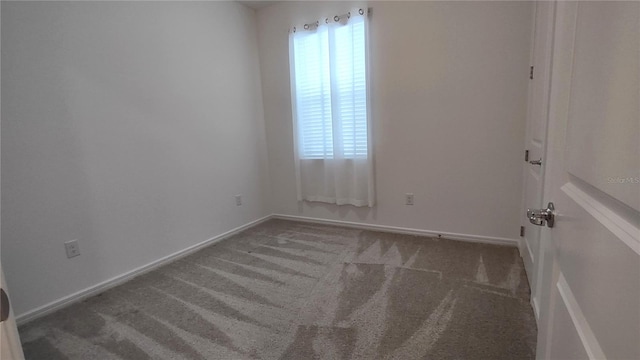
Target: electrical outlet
{"type": "Point", "coordinates": [72, 248]}
{"type": "Point", "coordinates": [408, 198]}
{"type": "Point", "coordinates": [238, 200]}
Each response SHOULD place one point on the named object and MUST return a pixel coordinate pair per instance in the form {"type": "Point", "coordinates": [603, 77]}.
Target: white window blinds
{"type": "Point", "coordinates": [330, 90]}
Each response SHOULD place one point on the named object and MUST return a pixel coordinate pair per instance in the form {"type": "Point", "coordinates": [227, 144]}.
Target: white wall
{"type": "Point", "coordinates": [129, 126]}
{"type": "Point", "coordinates": [449, 104]}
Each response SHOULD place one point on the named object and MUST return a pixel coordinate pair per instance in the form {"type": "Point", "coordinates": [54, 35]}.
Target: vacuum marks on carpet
{"type": "Point", "coordinates": [288, 290]}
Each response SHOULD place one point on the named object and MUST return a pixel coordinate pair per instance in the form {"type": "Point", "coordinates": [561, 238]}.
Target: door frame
{"type": "Point", "coordinates": [544, 74]}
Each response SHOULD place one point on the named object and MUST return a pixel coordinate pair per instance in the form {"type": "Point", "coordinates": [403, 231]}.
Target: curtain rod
{"type": "Point", "coordinates": [336, 18]}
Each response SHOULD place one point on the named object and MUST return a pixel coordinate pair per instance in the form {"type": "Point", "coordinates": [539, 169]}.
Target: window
{"type": "Point", "coordinates": [329, 85]}
{"type": "Point", "coordinates": [329, 91]}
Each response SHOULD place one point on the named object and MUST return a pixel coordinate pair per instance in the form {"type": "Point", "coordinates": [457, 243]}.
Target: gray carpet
{"type": "Point", "coordinates": [288, 290]}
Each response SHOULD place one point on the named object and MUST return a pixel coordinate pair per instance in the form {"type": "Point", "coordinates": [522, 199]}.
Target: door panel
{"type": "Point", "coordinates": [591, 297]}
{"type": "Point", "coordinates": [602, 272]}
{"type": "Point", "coordinates": [604, 111]}
{"type": "Point", "coordinates": [573, 336]}
{"type": "Point", "coordinates": [571, 346]}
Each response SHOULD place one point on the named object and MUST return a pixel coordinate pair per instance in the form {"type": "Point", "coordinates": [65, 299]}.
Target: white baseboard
{"type": "Point", "coordinates": [117, 280]}
{"type": "Point", "coordinates": [402, 230]}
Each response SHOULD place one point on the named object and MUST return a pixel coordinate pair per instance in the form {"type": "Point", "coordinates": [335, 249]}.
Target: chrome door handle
{"type": "Point", "coordinates": [541, 216]}
{"type": "Point", "coordinates": [536, 162]}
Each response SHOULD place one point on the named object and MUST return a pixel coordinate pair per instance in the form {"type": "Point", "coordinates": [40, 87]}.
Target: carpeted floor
{"type": "Point", "coordinates": [288, 290]}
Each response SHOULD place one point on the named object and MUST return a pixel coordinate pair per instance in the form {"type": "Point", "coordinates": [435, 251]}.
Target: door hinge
{"type": "Point", "coordinates": [526, 155]}
{"type": "Point", "coordinates": [521, 230]}
{"type": "Point", "coordinates": [531, 73]}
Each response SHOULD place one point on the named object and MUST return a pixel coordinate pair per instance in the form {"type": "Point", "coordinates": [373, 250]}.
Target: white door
{"type": "Point", "coordinates": [535, 140]}
{"type": "Point", "coordinates": [590, 294]}
{"type": "Point", "coordinates": [10, 348]}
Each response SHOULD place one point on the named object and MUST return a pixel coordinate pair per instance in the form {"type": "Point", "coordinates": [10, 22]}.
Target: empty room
{"type": "Point", "coordinates": [320, 180]}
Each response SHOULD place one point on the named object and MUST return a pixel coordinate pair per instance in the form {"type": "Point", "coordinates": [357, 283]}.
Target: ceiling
{"type": "Point", "coordinates": [257, 4]}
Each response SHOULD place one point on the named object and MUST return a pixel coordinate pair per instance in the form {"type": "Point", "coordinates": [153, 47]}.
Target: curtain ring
{"type": "Point", "coordinates": [326, 20]}
{"type": "Point", "coordinates": [336, 18]}
{"type": "Point", "coordinates": [361, 12]}
{"type": "Point", "coordinates": [306, 26]}
{"type": "Point", "coordinates": [317, 23]}
{"type": "Point", "coordinates": [294, 29]}
{"type": "Point", "coordinates": [349, 15]}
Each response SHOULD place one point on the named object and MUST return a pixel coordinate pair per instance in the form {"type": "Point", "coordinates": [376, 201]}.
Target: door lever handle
{"type": "Point", "coordinates": [536, 162]}
{"type": "Point", "coordinates": [541, 216]}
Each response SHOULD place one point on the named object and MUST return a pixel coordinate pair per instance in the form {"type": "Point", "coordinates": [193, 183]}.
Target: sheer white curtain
{"type": "Point", "coordinates": [330, 97]}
